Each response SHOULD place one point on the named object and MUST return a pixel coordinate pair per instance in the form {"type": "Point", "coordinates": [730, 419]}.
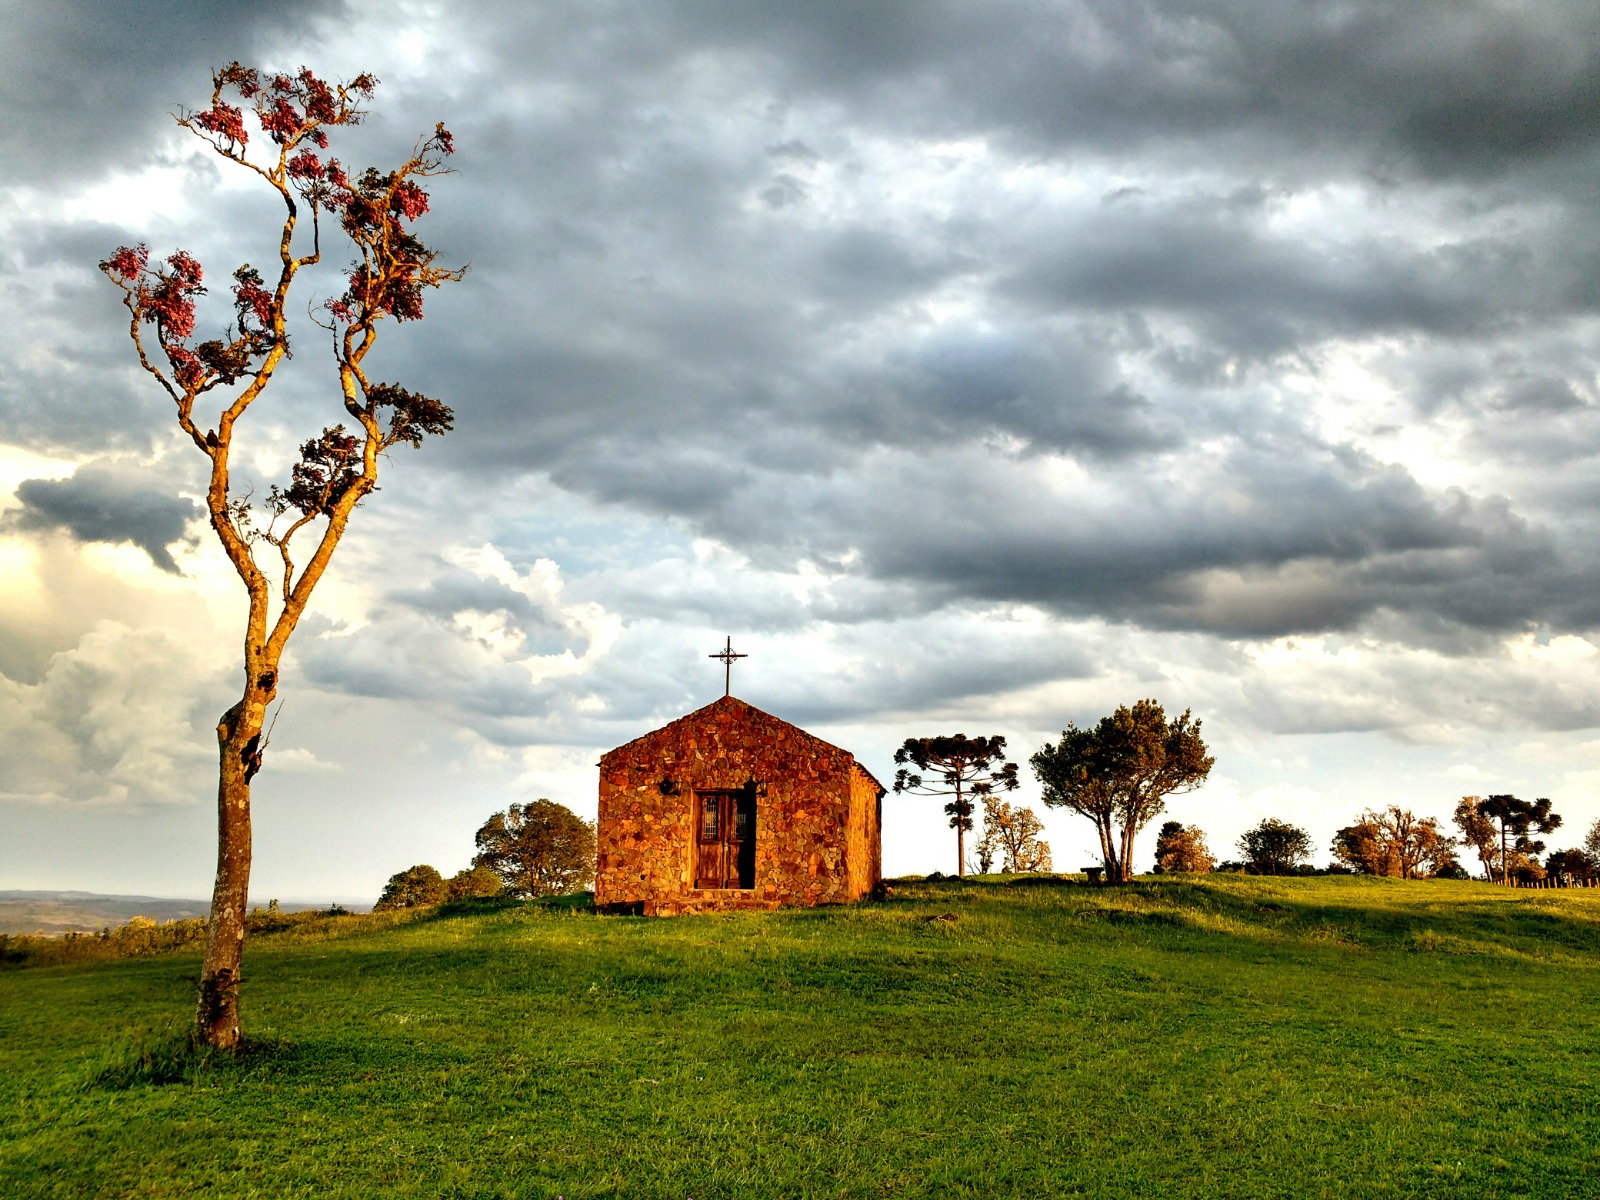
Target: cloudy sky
{"type": "Point", "coordinates": [977, 367]}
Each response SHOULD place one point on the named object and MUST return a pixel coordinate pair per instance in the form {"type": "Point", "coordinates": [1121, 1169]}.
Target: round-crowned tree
{"type": "Point", "coordinates": [1119, 773]}
{"type": "Point", "coordinates": [538, 849]}
{"type": "Point", "coordinates": [412, 888]}
{"type": "Point", "coordinates": [1274, 847]}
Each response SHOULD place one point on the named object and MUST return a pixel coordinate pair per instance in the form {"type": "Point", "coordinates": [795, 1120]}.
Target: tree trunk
{"type": "Point", "coordinates": [961, 835]}
{"type": "Point", "coordinates": [239, 746]}
{"type": "Point", "coordinates": [1109, 853]}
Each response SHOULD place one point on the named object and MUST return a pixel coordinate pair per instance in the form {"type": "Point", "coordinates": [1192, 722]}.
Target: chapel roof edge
{"type": "Point", "coordinates": [731, 701]}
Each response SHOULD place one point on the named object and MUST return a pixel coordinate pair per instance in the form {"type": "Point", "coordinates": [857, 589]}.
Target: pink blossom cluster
{"type": "Point", "coordinates": [320, 102]}
{"type": "Point", "coordinates": [246, 79]}
{"type": "Point", "coordinates": [251, 299]}
{"type": "Point", "coordinates": [280, 119]}
{"type": "Point", "coordinates": [189, 370]}
{"type": "Point", "coordinates": [168, 300]}
{"type": "Point", "coordinates": [226, 120]}
{"type": "Point", "coordinates": [408, 200]}
{"type": "Point", "coordinates": [165, 298]}
{"type": "Point", "coordinates": [400, 295]}
{"type": "Point", "coordinates": [129, 262]}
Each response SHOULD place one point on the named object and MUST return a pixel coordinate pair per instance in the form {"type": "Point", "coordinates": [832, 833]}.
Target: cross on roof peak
{"type": "Point", "coordinates": [727, 655]}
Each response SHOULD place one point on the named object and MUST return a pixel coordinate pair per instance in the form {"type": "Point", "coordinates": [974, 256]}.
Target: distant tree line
{"type": "Point", "coordinates": [1394, 842]}
{"type": "Point", "coordinates": [531, 850]}
{"type": "Point", "coordinates": [1118, 774]}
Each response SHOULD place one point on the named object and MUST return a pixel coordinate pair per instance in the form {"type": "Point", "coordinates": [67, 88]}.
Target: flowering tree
{"type": "Point", "coordinates": [1012, 835]}
{"type": "Point", "coordinates": [213, 383]}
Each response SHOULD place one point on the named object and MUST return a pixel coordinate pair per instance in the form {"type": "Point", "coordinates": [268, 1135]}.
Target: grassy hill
{"type": "Point", "coordinates": [1205, 1037]}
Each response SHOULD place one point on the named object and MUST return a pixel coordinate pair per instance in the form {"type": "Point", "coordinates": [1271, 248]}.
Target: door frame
{"type": "Point", "coordinates": [734, 855]}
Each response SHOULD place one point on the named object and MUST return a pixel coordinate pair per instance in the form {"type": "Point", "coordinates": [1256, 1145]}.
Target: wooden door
{"type": "Point", "coordinates": [725, 842]}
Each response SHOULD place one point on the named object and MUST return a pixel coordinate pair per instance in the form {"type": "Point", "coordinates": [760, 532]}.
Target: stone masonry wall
{"type": "Point", "coordinates": [806, 841]}
{"type": "Point", "coordinates": [864, 849]}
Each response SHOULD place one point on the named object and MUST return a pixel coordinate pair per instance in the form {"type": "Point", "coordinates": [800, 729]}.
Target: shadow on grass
{"type": "Point", "coordinates": [478, 906]}
{"type": "Point", "coordinates": [1417, 915]}
{"type": "Point", "coordinates": [160, 1057]}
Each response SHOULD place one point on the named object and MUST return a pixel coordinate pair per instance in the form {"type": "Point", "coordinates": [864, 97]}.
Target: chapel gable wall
{"type": "Point", "coordinates": [804, 830]}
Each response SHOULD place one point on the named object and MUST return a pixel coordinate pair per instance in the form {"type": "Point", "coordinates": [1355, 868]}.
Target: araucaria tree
{"type": "Point", "coordinates": [1514, 820]}
{"type": "Point", "coordinates": [1119, 773]}
{"type": "Point", "coordinates": [538, 849]}
{"type": "Point", "coordinates": [960, 767]}
{"type": "Point", "coordinates": [213, 383]}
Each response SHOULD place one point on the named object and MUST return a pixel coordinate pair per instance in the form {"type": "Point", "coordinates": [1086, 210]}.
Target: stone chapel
{"type": "Point", "coordinates": [731, 807]}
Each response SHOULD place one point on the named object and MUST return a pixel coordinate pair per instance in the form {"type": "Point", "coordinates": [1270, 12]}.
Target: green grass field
{"type": "Point", "coordinates": [1211, 1036]}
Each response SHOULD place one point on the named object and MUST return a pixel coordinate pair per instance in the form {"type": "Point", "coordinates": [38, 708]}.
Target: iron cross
{"type": "Point", "coordinates": [727, 656]}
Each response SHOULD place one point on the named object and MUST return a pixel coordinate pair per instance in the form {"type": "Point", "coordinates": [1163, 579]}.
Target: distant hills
{"type": "Point", "coordinates": [54, 913]}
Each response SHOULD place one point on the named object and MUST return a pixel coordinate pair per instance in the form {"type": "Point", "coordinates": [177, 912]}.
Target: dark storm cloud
{"type": "Point", "coordinates": [1053, 391]}
{"type": "Point", "coordinates": [701, 290]}
{"type": "Point", "coordinates": [670, 316]}
{"type": "Point", "coordinates": [97, 79]}
{"type": "Point", "coordinates": [1540, 394]}
{"type": "Point", "coordinates": [67, 385]}
{"type": "Point", "coordinates": [1470, 88]}
{"type": "Point", "coordinates": [942, 666]}
{"type": "Point", "coordinates": [1247, 290]}
{"type": "Point", "coordinates": [1244, 548]}
{"type": "Point", "coordinates": [108, 503]}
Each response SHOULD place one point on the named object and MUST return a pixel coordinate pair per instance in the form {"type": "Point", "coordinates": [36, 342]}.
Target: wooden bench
{"type": "Point", "coordinates": [1094, 874]}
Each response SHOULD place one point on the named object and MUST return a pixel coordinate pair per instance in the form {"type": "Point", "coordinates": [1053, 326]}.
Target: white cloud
{"type": "Point", "coordinates": [298, 760]}
{"type": "Point", "coordinates": [115, 720]}
{"type": "Point", "coordinates": [585, 622]}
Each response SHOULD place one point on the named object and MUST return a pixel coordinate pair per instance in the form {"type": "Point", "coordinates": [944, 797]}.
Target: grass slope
{"type": "Point", "coordinates": [1203, 1037]}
